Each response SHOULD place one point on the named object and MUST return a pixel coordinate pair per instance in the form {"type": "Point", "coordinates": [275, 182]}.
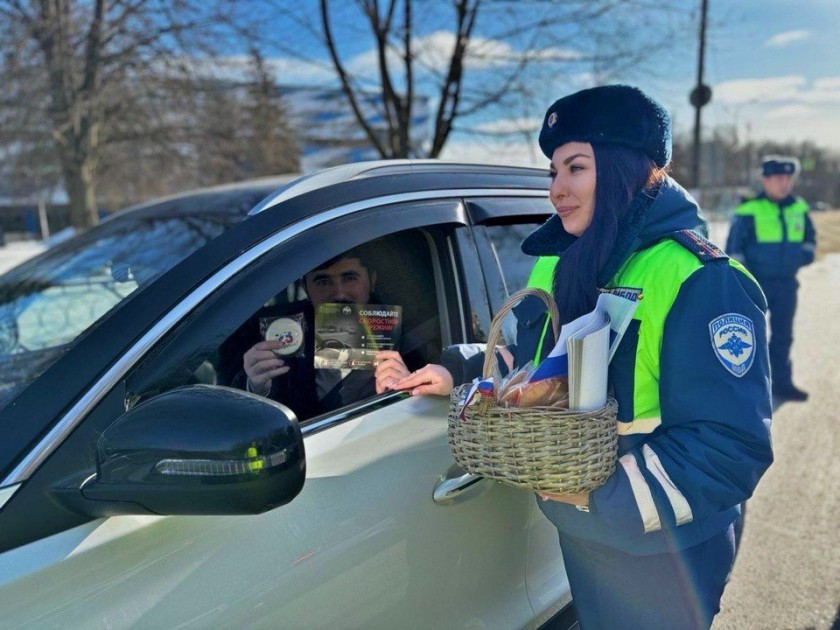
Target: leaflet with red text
{"type": "Point", "coordinates": [348, 336]}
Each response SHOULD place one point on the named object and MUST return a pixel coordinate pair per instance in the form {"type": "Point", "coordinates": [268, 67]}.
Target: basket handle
{"type": "Point", "coordinates": [496, 326]}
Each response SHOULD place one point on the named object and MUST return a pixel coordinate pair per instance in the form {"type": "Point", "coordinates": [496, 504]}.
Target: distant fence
{"type": "Point", "coordinates": [23, 219]}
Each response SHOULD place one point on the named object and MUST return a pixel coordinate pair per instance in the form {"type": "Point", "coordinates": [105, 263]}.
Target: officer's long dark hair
{"type": "Point", "coordinates": [620, 172]}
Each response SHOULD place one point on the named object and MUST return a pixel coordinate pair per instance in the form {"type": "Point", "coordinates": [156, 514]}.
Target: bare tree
{"type": "Point", "coordinates": [271, 143]}
{"type": "Point", "coordinates": [96, 70]}
{"type": "Point", "coordinates": [733, 165]}
{"type": "Point", "coordinates": [215, 127]}
{"type": "Point", "coordinates": [524, 46]}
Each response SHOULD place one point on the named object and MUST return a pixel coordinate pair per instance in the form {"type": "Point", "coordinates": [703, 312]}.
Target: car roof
{"type": "Point", "coordinates": [409, 172]}
{"type": "Point", "coordinates": [277, 189]}
{"type": "Point", "coordinates": [190, 200]}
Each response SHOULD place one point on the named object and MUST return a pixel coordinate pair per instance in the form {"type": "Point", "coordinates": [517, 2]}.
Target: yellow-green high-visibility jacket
{"type": "Point", "coordinates": [772, 238]}
{"type": "Point", "coordinates": [691, 378]}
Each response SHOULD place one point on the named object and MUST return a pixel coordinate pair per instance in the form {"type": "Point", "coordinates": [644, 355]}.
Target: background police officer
{"type": "Point", "coordinates": [773, 236]}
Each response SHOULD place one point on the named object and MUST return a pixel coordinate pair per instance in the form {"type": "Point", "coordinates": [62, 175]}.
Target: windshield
{"type": "Point", "coordinates": [47, 303]}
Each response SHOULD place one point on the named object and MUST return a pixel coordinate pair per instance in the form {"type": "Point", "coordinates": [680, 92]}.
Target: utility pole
{"type": "Point", "coordinates": [700, 96]}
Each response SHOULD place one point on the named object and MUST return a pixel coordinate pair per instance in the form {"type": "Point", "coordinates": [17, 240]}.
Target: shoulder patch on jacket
{"type": "Point", "coordinates": [699, 245]}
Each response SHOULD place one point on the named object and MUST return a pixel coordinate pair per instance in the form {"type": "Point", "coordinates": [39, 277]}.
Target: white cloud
{"type": "Point", "coordinates": [827, 83]}
{"type": "Point", "coordinates": [288, 70]}
{"type": "Point", "coordinates": [789, 112]}
{"type": "Point", "coordinates": [783, 108]}
{"type": "Point", "coordinates": [788, 37]}
{"type": "Point", "coordinates": [818, 127]}
{"type": "Point", "coordinates": [240, 68]}
{"type": "Point", "coordinates": [433, 52]}
{"type": "Point", "coordinates": [826, 91]}
{"type": "Point", "coordinates": [506, 153]}
{"type": "Point", "coordinates": [753, 90]}
{"type": "Point", "coordinates": [792, 89]}
{"type": "Point", "coordinates": [366, 64]}
{"type": "Point", "coordinates": [491, 53]}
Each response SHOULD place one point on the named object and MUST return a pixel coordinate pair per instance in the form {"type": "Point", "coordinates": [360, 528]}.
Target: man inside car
{"type": "Point", "coordinates": [345, 279]}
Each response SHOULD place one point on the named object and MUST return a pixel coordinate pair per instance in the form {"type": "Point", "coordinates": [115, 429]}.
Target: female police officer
{"type": "Point", "coordinates": [652, 547]}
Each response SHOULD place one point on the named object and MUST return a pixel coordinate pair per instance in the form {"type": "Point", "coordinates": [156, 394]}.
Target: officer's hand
{"type": "Point", "coordinates": [431, 379]}
{"type": "Point", "coordinates": [262, 364]}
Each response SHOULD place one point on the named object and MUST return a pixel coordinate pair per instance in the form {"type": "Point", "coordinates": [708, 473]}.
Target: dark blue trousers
{"type": "Point", "coordinates": [781, 304]}
{"type": "Point", "coordinates": [672, 591]}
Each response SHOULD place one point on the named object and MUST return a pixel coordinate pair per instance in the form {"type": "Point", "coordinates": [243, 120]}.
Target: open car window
{"type": "Point", "coordinates": [331, 322]}
{"type": "Point", "coordinates": [330, 340]}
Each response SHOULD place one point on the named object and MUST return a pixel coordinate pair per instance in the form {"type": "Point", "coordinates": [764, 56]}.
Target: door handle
{"type": "Point", "coordinates": [450, 489]}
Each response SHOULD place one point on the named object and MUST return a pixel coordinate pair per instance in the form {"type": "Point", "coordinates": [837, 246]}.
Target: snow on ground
{"type": "Point", "coordinates": [14, 253]}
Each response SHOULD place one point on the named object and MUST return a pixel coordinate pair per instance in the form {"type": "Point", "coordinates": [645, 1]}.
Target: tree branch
{"type": "Point", "coordinates": [450, 91]}
{"type": "Point", "coordinates": [345, 81]}
{"type": "Point", "coordinates": [408, 56]}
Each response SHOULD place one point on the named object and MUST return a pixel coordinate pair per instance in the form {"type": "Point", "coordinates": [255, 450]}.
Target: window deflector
{"type": "Point", "coordinates": [488, 210]}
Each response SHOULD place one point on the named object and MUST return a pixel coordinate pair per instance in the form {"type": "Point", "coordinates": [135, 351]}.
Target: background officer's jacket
{"type": "Point", "coordinates": [773, 239]}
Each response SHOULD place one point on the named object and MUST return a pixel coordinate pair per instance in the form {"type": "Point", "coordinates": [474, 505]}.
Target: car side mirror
{"type": "Point", "coordinates": [198, 449]}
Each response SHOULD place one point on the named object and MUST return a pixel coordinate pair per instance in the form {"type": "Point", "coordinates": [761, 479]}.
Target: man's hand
{"type": "Point", "coordinates": [431, 379]}
{"type": "Point", "coordinates": [390, 368]}
{"type": "Point", "coordinates": [262, 364]}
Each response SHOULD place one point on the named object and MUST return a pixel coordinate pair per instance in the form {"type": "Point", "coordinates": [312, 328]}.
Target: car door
{"type": "Point", "coordinates": [364, 544]}
{"type": "Point", "coordinates": [499, 226]}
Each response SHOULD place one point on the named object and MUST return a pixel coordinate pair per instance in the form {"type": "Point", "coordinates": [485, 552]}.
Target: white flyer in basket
{"type": "Point", "coordinates": [585, 348]}
{"type": "Point", "coordinates": [621, 311]}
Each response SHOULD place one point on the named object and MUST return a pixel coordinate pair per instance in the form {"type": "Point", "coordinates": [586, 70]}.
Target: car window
{"type": "Point", "coordinates": [473, 279]}
{"type": "Point", "coordinates": [507, 241]}
{"type": "Point", "coordinates": [47, 303]}
{"type": "Point", "coordinates": [326, 325]}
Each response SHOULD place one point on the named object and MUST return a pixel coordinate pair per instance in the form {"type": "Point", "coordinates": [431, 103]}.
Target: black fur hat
{"type": "Point", "coordinates": [613, 114]}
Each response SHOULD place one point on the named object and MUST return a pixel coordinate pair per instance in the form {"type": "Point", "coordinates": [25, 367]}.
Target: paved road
{"type": "Point", "coordinates": [787, 575]}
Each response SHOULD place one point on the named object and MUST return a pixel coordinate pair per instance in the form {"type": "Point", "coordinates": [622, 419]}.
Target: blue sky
{"type": "Point", "coordinates": [773, 65]}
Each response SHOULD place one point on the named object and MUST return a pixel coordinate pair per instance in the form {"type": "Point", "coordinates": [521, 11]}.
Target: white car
{"type": "Point", "coordinates": [139, 490]}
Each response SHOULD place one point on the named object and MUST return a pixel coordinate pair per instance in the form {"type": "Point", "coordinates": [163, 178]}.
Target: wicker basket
{"type": "Point", "coordinates": [542, 449]}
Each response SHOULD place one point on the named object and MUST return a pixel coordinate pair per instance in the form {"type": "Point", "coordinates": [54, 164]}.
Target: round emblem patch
{"type": "Point", "coordinates": [552, 119]}
{"type": "Point", "coordinates": [286, 331]}
{"type": "Point", "coordinates": [733, 340]}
